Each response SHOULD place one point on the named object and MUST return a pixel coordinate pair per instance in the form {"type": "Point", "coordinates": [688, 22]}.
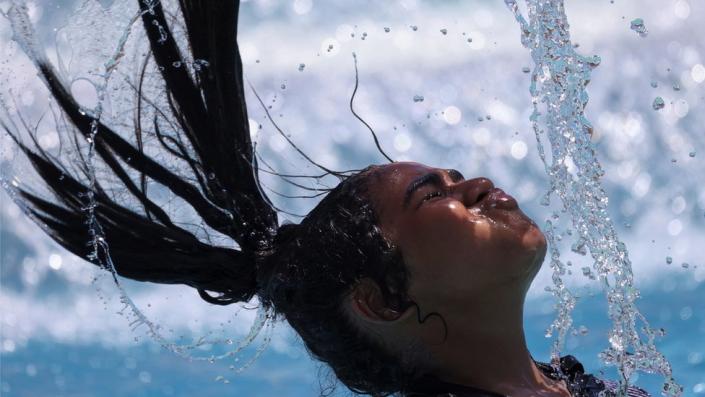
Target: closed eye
{"type": "Point", "coordinates": [431, 195]}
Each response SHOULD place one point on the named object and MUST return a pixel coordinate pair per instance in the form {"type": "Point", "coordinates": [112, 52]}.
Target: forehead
{"type": "Point", "coordinates": [389, 182]}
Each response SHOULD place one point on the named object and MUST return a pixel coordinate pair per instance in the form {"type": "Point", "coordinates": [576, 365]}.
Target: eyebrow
{"type": "Point", "coordinates": [432, 178]}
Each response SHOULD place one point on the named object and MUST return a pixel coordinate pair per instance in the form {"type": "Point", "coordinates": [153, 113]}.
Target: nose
{"type": "Point", "coordinates": [472, 190]}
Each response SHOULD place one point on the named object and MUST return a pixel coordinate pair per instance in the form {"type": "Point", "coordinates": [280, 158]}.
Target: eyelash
{"type": "Point", "coordinates": [431, 195]}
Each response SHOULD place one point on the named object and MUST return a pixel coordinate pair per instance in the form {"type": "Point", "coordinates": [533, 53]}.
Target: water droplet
{"type": "Point", "coordinates": [594, 61]}
{"type": "Point", "coordinates": [654, 84]}
{"type": "Point", "coordinates": [638, 26]}
{"type": "Point", "coordinates": [283, 86]}
{"type": "Point", "coordinates": [387, 30]}
{"type": "Point", "coordinates": [526, 69]}
{"type": "Point", "coordinates": [444, 31]}
{"type": "Point", "coordinates": [685, 265]}
{"type": "Point", "coordinates": [669, 260]}
{"type": "Point", "coordinates": [301, 67]}
{"type": "Point", "coordinates": [414, 27]}
{"type": "Point", "coordinates": [418, 98]}
{"type": "Point", "coordinates": [211, 176]}
{"type": "Point", "coordinates": [676, 87]}
{"type": "Point", "coordinates": [364, 35]}
{"type": "Point", "coordinates": [692, 154]}
{"type": "Point", "coordinates": [545, 199]}
{"type": "Point", "coordinates": [658, 103]}
{"type": "Point", "coordinates": [176, 64]}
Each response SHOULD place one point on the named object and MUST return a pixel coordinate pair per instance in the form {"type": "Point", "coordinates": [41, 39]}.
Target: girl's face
{"type": "Point", "coordinates": [462, 240]}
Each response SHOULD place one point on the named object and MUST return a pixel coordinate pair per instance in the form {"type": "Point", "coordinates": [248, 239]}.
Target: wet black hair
{"type": "Point", "coordinates": [302, 271]}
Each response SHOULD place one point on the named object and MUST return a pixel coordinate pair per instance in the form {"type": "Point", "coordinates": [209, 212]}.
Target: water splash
{"type": "Point", "coordinates": [558, 90]}
{"type": "Point", "coordinates": [639, 27]}
{"type": "Point", "coordinates": [24, 35]}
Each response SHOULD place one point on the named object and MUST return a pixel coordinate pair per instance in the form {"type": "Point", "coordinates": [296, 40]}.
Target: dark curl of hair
{"type": "Point", "coordinates": [313, 267]}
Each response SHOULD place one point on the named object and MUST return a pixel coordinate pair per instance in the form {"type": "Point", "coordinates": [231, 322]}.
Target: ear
{"type": "Point", "coordinates": [367, 303]}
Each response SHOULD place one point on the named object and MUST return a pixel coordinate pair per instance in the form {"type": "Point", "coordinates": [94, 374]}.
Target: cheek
{"type": "Point", "coordinates": [445, 240]}
{"type": "Point", "coordinates": [464, 252]}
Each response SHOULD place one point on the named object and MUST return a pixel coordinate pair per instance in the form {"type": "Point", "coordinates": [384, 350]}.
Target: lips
{"type": "Point", "coordinates": [496, 198]}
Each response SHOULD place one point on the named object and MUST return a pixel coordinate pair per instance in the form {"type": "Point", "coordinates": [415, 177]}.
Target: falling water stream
{"type": "Point", "coordinates": [558, 90]}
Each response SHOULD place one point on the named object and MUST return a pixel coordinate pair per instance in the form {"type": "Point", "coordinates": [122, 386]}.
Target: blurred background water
{"type": "Point", "coordinates": [442, 83]}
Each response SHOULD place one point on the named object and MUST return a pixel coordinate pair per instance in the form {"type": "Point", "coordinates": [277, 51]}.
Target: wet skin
{"type": "Point", "coordinates": [471, 255]}
{"type": "Point", "coordinates": [464, 234]}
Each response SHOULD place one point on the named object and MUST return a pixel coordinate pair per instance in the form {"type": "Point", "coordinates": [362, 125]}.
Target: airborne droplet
{"type": "Point", "coordinates": [638, 26]}
{"type": "Point", "coordinates": [658, 103]}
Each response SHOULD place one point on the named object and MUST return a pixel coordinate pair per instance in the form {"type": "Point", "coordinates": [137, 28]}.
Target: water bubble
{"type": "Point", "coordinates": [638, 26]}
{"type": "Point", "coordinates": [418, 98]}
{"type": "Point", "coordinates": [301, 67]}
{"type": "Point", "coordinates": [698, 73]}
{"type": "Point", "coordinates": [658, 104]}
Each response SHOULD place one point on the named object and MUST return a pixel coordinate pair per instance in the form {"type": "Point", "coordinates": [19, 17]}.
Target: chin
{"type": "Point", "coordinates": [534, 239]}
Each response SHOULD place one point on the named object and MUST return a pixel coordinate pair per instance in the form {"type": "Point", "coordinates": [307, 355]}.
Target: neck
{"type": "Point", "coordinates": [488, 351]}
